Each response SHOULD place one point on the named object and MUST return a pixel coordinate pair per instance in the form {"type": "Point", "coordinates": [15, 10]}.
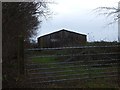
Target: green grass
{"type": "Point", "coordinates": [43, 59]}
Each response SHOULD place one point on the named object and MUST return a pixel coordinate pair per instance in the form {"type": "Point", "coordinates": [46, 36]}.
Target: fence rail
{"type": "Point", "coordinates": [77, 66]}
{"type": "Point", "coordinates": [81, 47]}
{"type": "Point", "coordinates": [74, 55]}
{"type": "Point", "coordinates": [72, 62]}
{"type": "Point", "coordinates": [85, 78]}
{"type": "Point", "coordinates": [58, 71]}
{"type": "Point", "coordinates": [66, 67]}
{"type": "Point", "coordinates": [74, 75]}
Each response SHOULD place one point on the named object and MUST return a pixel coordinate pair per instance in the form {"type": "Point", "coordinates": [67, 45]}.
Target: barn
{"type": "Point", "coordinates": [62, 38]}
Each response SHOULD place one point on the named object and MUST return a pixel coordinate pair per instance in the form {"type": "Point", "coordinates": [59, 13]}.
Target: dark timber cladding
{"type": "Point", "coordinates": [62, 38]}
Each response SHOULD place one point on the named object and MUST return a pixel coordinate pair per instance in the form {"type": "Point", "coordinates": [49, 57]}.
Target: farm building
{"type": "Point", "coordinates": [62, 38]}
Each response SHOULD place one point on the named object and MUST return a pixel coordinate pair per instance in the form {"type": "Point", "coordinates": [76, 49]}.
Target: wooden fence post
{"type": "Point", "coordinates": [118, 64]}
{"type": "Point", "coordinates": [21, 70]}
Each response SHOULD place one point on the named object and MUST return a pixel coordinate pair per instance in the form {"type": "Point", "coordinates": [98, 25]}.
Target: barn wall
{"type": "Point", "coordinates": [62, 39]}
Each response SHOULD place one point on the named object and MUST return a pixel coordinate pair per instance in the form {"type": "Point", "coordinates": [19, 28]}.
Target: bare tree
{"type": "Point", "coordinates": [109, 12]}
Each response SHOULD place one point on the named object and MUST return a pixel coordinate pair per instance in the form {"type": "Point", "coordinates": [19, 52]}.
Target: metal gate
{"type": "Point", "coordinates": [85, 66]}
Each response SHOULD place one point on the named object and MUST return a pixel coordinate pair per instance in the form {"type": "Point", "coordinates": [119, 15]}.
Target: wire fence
{"type": "Point", "coordinates": [45, 65]}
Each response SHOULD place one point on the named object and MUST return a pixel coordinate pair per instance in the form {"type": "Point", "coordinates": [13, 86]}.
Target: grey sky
{"type": "Point", "coordinates": [77, 16]}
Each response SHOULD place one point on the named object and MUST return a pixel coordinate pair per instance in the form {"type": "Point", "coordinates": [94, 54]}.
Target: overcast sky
{"type": "Point", "coordinates": [78, 16]}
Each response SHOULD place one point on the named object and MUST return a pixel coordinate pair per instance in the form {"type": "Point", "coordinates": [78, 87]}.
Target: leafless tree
{"type": "Point", "coordinates": [109, 12]}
